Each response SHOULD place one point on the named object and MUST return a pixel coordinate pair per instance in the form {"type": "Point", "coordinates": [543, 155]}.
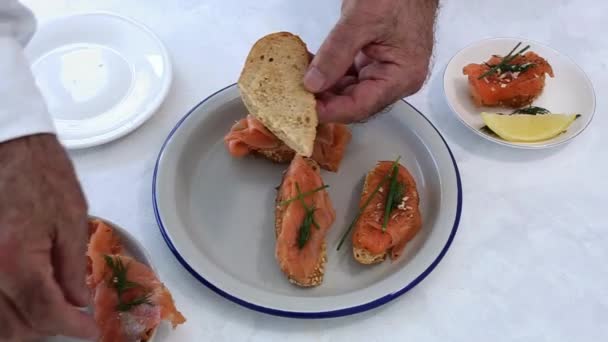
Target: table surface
{"type": "Point", "coordinates": [529, 260]}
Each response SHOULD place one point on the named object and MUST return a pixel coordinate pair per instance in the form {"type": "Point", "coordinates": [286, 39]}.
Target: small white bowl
{"type": "Point", "coordinates": [569, 92]}
{"type": "Point", "coordinates": [102, 75]}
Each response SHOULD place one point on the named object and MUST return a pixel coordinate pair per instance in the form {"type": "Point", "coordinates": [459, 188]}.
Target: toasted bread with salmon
{"type": "Point", "coordinates": [272, 89]}
{"type": "Point", "coordinates": [249, 136]}
{"type": "Point", "coordinates": [303, 267]}
{"type": "Point", "coordinates": [370, 244]}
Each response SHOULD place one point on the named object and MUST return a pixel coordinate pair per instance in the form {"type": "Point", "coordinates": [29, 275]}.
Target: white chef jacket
{"type": "Point", "coordinates": [22, 107]}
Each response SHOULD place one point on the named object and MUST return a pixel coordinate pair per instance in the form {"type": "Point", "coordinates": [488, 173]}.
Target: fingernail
{"type": "Point", "coordinates": [314, 80]}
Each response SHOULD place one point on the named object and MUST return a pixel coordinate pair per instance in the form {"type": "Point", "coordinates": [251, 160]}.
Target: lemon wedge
{"type": "Point", "coordinates": [528, 128]}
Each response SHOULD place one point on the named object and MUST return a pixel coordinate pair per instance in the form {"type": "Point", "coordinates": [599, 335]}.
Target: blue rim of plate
{"type": "Point", "coordinates": [293, 314]}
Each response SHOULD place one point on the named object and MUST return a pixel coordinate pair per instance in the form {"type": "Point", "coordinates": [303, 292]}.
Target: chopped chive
{"type": "Point", "coordinates": [302, 195]}
{"type": "Point", "coordinates": [390, 197]}
{"type": "Point", "coordinates": [304, 232]}
{"type": "Point", "coordinates": [504, 66]}
{"type": "Point", "coordinates": [532, 110]}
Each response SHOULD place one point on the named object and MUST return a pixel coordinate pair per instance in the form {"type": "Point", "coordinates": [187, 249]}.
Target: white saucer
{"type": "Point", "coordinates": [569, 92]}
{"type": "Point", "coordinates": [102, 75]}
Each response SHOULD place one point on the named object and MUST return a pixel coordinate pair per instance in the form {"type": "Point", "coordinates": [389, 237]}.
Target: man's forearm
{"type": "Point", "coordinates": [425, 15]}
{"type": "Point", "coordinates": [22, 108]}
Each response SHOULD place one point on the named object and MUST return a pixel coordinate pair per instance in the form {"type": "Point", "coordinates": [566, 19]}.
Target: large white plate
{"type": "Point", "coordinates": [216, 212]}
{"type": "Point", "coordinates": [569, 92]}
{"type": "Point", "coordinates": [102, 75]}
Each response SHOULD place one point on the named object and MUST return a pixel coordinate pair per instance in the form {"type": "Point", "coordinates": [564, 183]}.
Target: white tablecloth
{"type": "Point", "coordinates": [530, 260]}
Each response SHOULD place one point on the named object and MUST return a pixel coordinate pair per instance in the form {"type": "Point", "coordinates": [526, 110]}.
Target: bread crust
{"type": "Point", "coordinates": [365, 257]}
{"type": "Point", "coordinates": [281, 155]}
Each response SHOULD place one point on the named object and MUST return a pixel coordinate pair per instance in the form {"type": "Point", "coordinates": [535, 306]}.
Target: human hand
{"type": "Point", "coordinates": [378, 52]}
{"type": "Point", "coordinates": [43, 237]}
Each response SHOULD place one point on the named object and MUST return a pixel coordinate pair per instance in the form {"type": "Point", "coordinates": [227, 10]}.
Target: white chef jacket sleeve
{"type": "Point", "coordinates": [22, 108]}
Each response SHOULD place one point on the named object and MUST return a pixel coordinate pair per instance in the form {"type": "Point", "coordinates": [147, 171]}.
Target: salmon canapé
{"type": "Point", "coordinates": [303, 216]}
{"type": "Point", "coordinates": [129, 301]}
{"type": "Point", "coordinates": [249, 136]}
{"type": "Point", "coordinates": [371, 244]}
{"type": "Point", "coordinates": [516, 84]}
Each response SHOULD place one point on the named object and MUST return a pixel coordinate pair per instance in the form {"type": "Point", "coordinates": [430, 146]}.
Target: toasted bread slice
{"type": "Point", "coordinates": [404, 223]}
{"type": "Point", "coordinates": [272, 89]}
{"type": "Point", "coordinates": [317, 277]}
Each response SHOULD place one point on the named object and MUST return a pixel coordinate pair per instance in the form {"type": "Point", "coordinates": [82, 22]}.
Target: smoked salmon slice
{"type": "Point", "coordinates": [303, 216]}
{"type": "Point", "coordinates": [102, 241]}
{"type": "Point", "coordinates": [370, 243]}
{"type": "Point", "coordinates": [128, 299]}
{"type": "Point", "coordinates": [511, 89]}
{"type": "Point", "coordinates": [249, 136]}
